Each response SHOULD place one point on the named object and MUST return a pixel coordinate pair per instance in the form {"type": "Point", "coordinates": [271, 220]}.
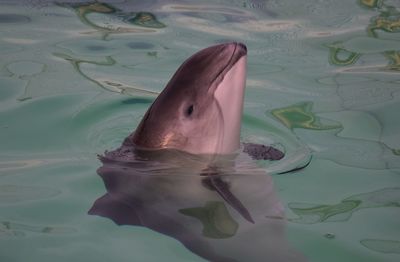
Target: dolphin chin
{"type": "Point", "coordinates": [230, 96]}
{"type": "Point", "coordinates": [200, 109]}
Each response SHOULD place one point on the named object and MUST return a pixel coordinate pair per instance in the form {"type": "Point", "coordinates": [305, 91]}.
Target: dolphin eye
{"type": "Point", "coordinates": [189, 110]}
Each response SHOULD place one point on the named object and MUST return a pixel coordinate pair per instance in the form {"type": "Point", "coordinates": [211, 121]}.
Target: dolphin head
{"type": "Point", "coordinates": [200, 109]}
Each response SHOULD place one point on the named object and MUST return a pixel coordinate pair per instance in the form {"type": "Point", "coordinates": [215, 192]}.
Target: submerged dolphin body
{"type": "Point", "coordinates": [163, 178]}
{"type": "Point", "coordinates": [176, 199]}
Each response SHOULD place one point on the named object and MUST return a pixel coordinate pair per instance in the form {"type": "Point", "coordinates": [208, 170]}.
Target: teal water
{"type": "Point", "coordinates": [75, 80]}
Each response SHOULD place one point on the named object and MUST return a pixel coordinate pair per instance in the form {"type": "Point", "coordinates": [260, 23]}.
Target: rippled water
{"type": "Point", "coordinates": [76, 78]}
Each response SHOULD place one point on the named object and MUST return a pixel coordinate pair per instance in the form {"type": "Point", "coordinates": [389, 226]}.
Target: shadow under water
{"type": "Point", "coordinates": [224, 211]}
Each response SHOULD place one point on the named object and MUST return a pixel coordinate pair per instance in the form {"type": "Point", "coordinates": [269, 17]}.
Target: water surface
{"type": "Point", "coordinates": [76, 77]}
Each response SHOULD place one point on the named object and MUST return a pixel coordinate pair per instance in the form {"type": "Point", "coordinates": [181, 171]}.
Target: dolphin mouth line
{"type": "Point", "coordinates": [239, 51]}
{"type": "Point", "coordinates": [228, 65]}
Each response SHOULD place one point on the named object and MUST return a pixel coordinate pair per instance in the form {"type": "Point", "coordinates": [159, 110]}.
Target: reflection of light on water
{"type": "Point", "coordinates": [107, 19]}
{"type": "Point", "coordinates": [110, 85]}
{"type": "Point", "coordinates": [318, 213]}
{"type": "Point", "coordinates": [388, 21]}
{"type": "Point", "coordinates": [301, 116]}
{"type": "Point", "coordinates": [394, 60]}
{"type": "Point", "coordinates": [204, 25]}
{"type": "Point", "coordinates": [371, 3]}
{"type": "Point", "coordinates": [368, 69]}
{"type": "Point", "coordinates": [381, 245]}
{"type": "Point", "coordinates": [145, 19]}
{"type": "Point", "coordinates": [11, 165]}
{"type": "Point", "coordinates": [21, 230]}
{"type": "Point", "coordinates": [25, 70]}
{"type": "Point", "coordinates": [205, 9]}
{"type": "Point", "coordinates": [15, 193]}
{"type": "Point", "coordinates": [317, 34]}
{"type": "Point", "coordinates": [22, 41]}
{"type": "Point", "coordinates": [268, 25]}
{"type": "Point", "coordinates": [122, 88]}
{"type": "Point", "coordinates": [28, 163]}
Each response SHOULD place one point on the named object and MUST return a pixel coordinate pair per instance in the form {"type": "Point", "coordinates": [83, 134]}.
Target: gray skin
{"type": "Point", "coordinates": [186, 115]}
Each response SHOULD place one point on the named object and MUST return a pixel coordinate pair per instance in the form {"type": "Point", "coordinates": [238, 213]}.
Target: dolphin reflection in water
{"type": "Point", "coordinates": [182, 173]}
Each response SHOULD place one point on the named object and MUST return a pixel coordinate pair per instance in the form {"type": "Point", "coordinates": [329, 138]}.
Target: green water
{"type": "Point", "coordinates": [75, 80]}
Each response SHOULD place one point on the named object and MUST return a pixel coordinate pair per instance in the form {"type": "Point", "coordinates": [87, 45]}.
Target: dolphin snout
{"type": "Point", "coordinates": [235, 47]}
{"type": "Point", "coordinates": [242, 46]}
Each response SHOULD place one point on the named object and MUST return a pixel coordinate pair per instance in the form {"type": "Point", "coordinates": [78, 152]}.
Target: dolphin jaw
{"type": "Point", "coordinates": [229, 95]}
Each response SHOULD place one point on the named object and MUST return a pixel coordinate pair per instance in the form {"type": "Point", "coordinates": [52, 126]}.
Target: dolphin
{"type": "Point", "coordinates": [200, 109]}
{"type": "Point", "coordinates": [181, 172]}
{"type": "Point", "coordinates": [199, 112]}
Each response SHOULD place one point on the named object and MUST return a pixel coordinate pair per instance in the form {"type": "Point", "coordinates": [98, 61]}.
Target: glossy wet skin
{"type": "Point", "coordinates": [200, 109]}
